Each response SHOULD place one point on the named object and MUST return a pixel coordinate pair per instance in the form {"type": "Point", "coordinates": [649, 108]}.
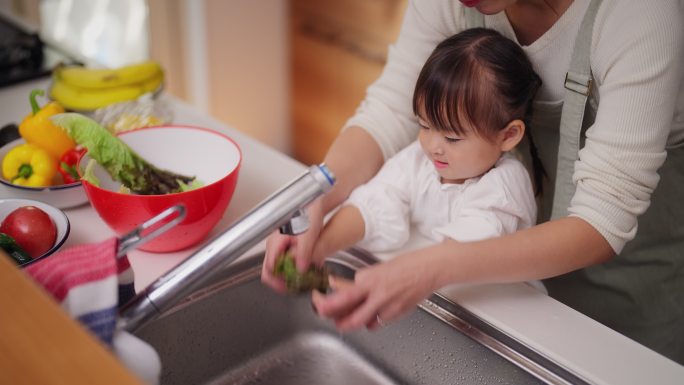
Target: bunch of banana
{"type": "Point", "coordinates": [84, 89]}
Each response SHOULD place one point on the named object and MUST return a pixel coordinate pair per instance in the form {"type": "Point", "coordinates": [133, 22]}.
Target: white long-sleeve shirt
{"type": "Point", "coordinates": [407, 191]}
{"type": "Point", "coordinates": [636, 59]}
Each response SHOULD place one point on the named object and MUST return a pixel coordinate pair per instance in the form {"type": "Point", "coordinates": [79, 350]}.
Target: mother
{"type": "Point", "coordinates": [609, 124]}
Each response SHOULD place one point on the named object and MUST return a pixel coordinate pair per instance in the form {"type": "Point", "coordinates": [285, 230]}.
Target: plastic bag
{"type": "Point", "coordinates": [145, 111]}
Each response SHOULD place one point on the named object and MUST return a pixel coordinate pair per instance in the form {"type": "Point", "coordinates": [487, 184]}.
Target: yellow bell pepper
{"type": "Point", "coordinates": [29, 165]}
{"type": "Point", "coordinates": [38, 129]}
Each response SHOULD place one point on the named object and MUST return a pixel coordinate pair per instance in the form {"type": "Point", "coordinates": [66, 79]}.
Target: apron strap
{"type": "Point", "coordinates": [578, 83]}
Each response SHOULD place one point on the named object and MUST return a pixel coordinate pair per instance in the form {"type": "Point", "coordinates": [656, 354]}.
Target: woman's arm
{"type": "Point", "coordinates": [393, 288]}
{"type": "Point", "coordinates": [354, 158]}
{"type": "Point", "coordinates": [638, 71]}
{"type": "Point", "coordinates": [543, 251]}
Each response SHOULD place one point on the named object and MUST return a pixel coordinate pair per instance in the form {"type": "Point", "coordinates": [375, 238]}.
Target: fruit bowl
{"type": "Point", "coordinates": [60, 220]}
{"type": "Point", "coordinates": [213, 158]}
{"type": "Point", "coordinates": [62, 196]}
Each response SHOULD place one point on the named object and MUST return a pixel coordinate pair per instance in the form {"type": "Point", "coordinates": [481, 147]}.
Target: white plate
{"type": "Point", "coordinates": [61, 196]}
{"type": "Point", "coordinates": [58, 217]}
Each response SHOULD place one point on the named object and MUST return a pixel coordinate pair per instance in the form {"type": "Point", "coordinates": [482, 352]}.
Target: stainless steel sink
{"type": "Point", "coordinates": [236, 331]}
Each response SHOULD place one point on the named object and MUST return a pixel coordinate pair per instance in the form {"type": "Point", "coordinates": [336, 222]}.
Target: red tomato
{"type": "Point", "coordinates": [31, 228]}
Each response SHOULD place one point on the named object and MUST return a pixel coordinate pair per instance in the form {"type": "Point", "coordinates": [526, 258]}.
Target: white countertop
{"type": "Point", "coordinates": [263, 171]}
{"type": "Point", "coordinates": [581, 345]}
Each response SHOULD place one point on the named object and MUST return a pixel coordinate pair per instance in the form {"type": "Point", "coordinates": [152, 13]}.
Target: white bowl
{"type": "Point", "coordinates": [61, 196]}
{"type": "Point", "coordinates": [58, 217]}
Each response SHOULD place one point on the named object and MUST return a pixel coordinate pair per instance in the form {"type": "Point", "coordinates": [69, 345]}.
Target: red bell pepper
{"type": "Point", "coordinates": [68, 162]}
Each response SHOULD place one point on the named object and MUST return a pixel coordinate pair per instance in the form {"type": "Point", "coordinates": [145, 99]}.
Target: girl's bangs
{"type": "Point", "coordinates": [457, 100]}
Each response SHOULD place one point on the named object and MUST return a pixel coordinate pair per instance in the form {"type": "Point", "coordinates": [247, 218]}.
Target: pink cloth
{"type": "Point", "coordinates": [89, 282]}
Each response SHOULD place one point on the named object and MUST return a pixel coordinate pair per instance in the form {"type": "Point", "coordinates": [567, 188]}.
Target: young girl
{"type": "Point", "coordinates": [458, 181]}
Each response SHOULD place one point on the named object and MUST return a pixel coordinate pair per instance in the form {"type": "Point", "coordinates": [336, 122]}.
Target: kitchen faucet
{"type": "Point", "coordinates": [283, 210]}
{"type": "Point", "coordinates": [298, 224]}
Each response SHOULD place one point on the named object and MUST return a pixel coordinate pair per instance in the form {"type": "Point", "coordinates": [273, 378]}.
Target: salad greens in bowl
{"type": "Point", "coordinates": [131, 177]}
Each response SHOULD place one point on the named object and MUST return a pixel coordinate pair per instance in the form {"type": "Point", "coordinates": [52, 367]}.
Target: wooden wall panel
{"type": "Point", "coordinates": [338, 48]}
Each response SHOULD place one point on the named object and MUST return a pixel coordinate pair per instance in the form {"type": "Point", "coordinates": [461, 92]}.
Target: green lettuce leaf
{"type": "Point", "coordinates": [120, 161]}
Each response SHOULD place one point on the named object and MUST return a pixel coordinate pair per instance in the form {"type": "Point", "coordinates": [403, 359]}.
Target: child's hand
{"type": "Point", "coordinates": [379, 294]}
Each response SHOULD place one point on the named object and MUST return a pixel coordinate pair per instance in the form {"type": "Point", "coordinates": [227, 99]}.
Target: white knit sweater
{"type": "Point", "coordinates": [636, 58]}
{"type": "Point", "coordinates": [407, 193]}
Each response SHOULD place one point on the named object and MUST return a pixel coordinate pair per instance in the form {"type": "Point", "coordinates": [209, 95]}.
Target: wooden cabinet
{"type": "Point", "coordinates": [338, 48]}
{"type": "Point", "coordinates": [41, 344]}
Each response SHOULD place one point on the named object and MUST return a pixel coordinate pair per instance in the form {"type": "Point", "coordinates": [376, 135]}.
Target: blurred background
{"type": "Point", "coordinates": [286, 72]}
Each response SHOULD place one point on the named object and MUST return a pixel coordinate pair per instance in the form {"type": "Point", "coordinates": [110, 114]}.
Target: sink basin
{"type": "Point", "coordinates": [237, 331]}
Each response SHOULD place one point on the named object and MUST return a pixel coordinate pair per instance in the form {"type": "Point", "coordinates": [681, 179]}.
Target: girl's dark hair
{"type": "Point", "coordinates": [478, 81]}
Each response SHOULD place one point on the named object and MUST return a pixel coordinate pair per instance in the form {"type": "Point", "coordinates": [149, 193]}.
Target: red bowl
{"type": "Point", "coordinates": [213, 158]}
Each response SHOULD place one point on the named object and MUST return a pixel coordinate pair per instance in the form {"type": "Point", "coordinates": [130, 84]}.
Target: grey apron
{"type": "Point", "coordinates": [639, 293]}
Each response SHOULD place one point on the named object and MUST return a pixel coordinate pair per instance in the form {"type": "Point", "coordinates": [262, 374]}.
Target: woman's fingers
{"type": "Point", "coordinates": [301, 246]}
{"type": "Point", "coordinates": [275, 283]}
{"type": "Point", "coordinates": [276, 244]}
{"type": "Point", "coordinates": [379, 295]}
{"type": "Point", "coordinates": [364, 315]}
{"type": "Point", "coordinates": [348, 305]}
{"type": "Point", "coordinates": [340, 302]}
{"type": "Point", "coordinates": [339, 283]}
{"type": "Point", "coordinates": [306, 241]}
{"type": "Point", "coordinates": [391, 312]}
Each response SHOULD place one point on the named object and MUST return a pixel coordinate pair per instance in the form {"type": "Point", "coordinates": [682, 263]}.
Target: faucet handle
{"type": "Point", "coordinates": [298, 224]}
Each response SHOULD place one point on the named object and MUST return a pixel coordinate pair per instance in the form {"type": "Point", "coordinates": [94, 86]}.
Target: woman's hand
{"type": "Point", "coordinates": [379, 294]}
{"type": "Point", "coordinates": [302, 246]}
{"type": "Point", "coordinates": [350, 171]}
